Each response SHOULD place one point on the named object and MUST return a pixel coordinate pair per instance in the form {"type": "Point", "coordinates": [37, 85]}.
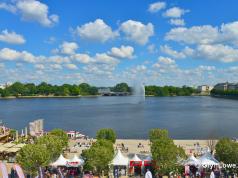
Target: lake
{"type": "Point", "coordinates": [193, 117]}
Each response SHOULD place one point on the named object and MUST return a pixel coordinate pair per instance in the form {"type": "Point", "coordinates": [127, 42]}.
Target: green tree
{"type": "Point", "coordinates": [107, 134]}
{"type": "Point", "coordinates": [164, 152]}
{"type": "Point", "coordinates": [227, 151]}
{"type": "Point", "coordinates": [61, 135]}
{"type": "Point", "coordinates": [53, 144]}
{"type": "Point", "coordinates": [32, 156]}
{"type": "Point", "coordinates": [155, 134]}
{"type": "Point", "coordinates": [98, 156]}
{"type": "Point", "coordinates": [121, 87]}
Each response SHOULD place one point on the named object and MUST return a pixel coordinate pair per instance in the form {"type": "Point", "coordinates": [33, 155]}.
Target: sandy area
{"type": "Point", "coordinates": [190, 146]}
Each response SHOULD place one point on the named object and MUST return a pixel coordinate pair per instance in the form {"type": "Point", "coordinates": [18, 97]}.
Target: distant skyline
{"type": "Point", "coordinates": [107, 42]}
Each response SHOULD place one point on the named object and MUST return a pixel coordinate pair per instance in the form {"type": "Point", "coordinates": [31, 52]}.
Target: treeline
{"type": "Point", "coordinates": [225, 92]}
{"type": "Point", "coordinates": [44, 89]}
{"type": "Point", "coordinates": [169, 91]}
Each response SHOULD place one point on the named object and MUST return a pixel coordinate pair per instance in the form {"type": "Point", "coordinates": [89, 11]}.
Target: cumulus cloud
{"type": "Point", "coordinates": [71, 66]}
{"type": "Point", "coordinates": [175, 12]}
{"type": "Point", "coordinates": [39, 66]}
{"type": "Point", "coordinates": [105, 58]}
{"type": "Point", "coordinates": [11, 55]}
{"type": "Point", "coordinates": [220, 52]}
{"type": "Point", "coordinates": [68, 47]}
{"type": "Point", "coordinates": [157, 6]}
{"type": "Point", "coordinates": [11, 37]}
{"type": "Point", "coordinates": [96, 31]}
{"type": "Point", "coordinates": [177, 22]}
{"type": "Point", "coordinates": [176, 54]}
{"type": "Point", "coordinates": [32, 10]}
{"type": "Point", "coordinates": [82, 58]}
{"type": "Point", "coordinates": [206, 34]}
{"type": "Point", "coordinates": [194, 35]}
{"type": "Point", "coordinates": [122, 52]}
{"type": "Point", "coordinates": [137, 31]}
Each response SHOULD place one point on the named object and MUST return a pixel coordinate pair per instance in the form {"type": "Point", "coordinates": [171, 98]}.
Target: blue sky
{"type": "Point", "coordinates": [105, 42]}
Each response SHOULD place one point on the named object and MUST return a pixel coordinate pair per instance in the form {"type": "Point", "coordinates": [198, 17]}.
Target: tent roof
{"type": "Point", "coordinates": [119, 159]}
{"type": "Point", "coordinates": [208, 159]}
{"type": "Point", "coordinates": [9, 145]}
{"type": "Point", "coordinates": [76, 159]}
{"type": "Point", "coordinates": [135, 158]}
{"type": "Point", "coordinates": [61, 161]}
{"type": "Point", "coordinates": [192, 161]}
{"type": "Point", "coordinates": [12, 150]}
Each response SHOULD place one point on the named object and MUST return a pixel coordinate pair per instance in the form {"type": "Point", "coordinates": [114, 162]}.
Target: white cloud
{"type": "Point", "coordinates": [68, 47]}
{"type": "Point", "coordinates": [220, 52]}
{"type": "Point", "coordinates": [137, 31]}
{"type": "Point", "coordinates": [152, 49]}
{"type": "Point", "coordinates": [58, 59]}
{"type": "Point", "coordinates": [83, 58]}
{"type": "Point", "coordinates": [177, 22]}
{"type": "Point", "coordinates": [96, 31]}
{"type": "Point", "coordinates": [71, 66]}
{"type": "Point", "coordinates": [206, 34]}
{"type": "Point", "coordinates": [176, 54]}
{"type": "Point", "coordinates": [39, 66]}
{"type": "Point", "coordinates": [122, 52]}
{"type": "Point", "coordinates": [32, 10]}
{"type": "Point", "coordinates": [175, 12]}
{"type": "Point", "coordinates": [166, 60]}
{"type": "Point", "coordinates": [157, 6]}
{"type": "Point", "coordinates": [11, 37]}
{"type": "Point", "coordinates": [105, 58]}
{"type": "Point", "coordinates": [194, 35]}
{"type": "Point", "coordinates": [11, 55]}
{"type": "Point", "coordinates": [8, 7]}
{"type": "Point", "coordinates": [56, 66]}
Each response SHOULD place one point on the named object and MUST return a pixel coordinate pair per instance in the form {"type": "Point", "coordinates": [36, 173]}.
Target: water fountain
{"type": "Point", "coordinates": [138, 93]}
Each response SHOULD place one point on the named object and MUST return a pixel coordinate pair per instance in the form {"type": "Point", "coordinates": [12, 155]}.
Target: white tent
{"type": "Point", "coordinates": [208, 159]}
{"type": "Point", "coordinates": [61, 161]}
{"type": "Point", "coordinates": [135, 158]}
{"type": "Point", "coordinates": [76, 159]}
{"type": "Point", "coordinates": [192, 161]}
{"type": "Point", "coordinates": [120, 160]}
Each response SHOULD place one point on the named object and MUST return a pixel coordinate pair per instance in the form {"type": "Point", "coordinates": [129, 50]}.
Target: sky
{"type": "Point", "coordinates": [106, 42]}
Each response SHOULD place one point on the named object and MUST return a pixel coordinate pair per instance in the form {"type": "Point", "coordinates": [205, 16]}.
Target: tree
{"type": "Point", "coordinates": [121, 87]}
{"type": "Point", "coordinates": [98, 156]}
{"type": "Point", "coordinates": [155, 134]}
{"type": "Point", "coordinates": [61, 135]}
{"type": "Point", "coordinates": [227, 151]}
{"type": "Point", "coordinates": [53, 144]}
{"type": "Point", "coordinates": [164, 152]}
{"type": "Point", "coordinates": [32, 156]}
{"type": "Point", "coordinates": [107, 134]}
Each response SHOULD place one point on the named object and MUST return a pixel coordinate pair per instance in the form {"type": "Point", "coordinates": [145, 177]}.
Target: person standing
{"type": "Point", "coordinates": [212, 175]}
{"type": "Point", "coordinates": [148, 174]}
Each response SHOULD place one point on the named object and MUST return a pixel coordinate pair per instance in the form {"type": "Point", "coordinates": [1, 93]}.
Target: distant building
{"type": "Point", "coordinates": [104, 90]}
{"type": "Point", "coordinates": [204, 88]}
{"type": "Point", "coordinates": [226, 86]}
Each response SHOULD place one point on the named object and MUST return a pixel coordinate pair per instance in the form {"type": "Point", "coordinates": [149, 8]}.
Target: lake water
{"type": "Point", "coordinates": [194, 117]}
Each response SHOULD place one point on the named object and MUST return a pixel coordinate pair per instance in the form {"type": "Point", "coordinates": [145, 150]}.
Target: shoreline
{"type": "Point", "coordinates": [80, 96]}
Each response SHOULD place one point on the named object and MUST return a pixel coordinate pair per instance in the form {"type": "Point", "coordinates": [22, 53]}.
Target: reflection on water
{"type": "Point", "coordinates": [184, 117]}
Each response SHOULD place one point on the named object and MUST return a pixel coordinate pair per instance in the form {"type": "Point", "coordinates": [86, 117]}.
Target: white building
{"type": "Point", "coordinates": [204, 88]}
